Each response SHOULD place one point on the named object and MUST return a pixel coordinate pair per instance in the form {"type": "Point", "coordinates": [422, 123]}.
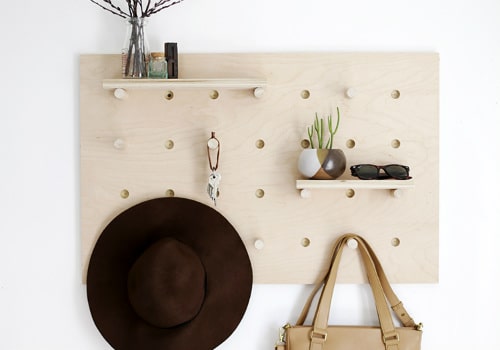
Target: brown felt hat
{"type": "Point", "coordinates": [168, 273]}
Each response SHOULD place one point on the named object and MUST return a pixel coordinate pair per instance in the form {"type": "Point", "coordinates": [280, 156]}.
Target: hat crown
{"type": "Point", "coordinates": [166, 284]}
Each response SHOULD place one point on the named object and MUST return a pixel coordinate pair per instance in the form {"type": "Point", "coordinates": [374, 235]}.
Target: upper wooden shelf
{"type": "Point", "coordinates": [122, 85]}
{"type": "Point", "coordinates": [130, 84]}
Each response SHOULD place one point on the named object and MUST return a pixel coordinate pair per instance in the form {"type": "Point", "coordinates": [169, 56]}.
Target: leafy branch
{"type": "Point", "coordinates": [135, 8]}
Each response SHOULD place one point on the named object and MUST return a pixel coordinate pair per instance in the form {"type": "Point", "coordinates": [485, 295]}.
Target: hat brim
{"type": "Point", "coordinates": [217, 244]}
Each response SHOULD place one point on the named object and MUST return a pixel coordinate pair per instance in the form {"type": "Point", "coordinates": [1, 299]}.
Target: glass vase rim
{"type": "Point", "coordinates": [134, 19]}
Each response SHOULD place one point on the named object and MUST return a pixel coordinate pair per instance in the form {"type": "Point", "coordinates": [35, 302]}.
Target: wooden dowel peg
{"type": "Point", "coordinates": [351, 92]}
{"type": "Point", "coordinates": [120, 94]}
{"type": "Point", "coordinates": [119, 144]}
{"type": "Point", "coordinates": [213, 143]}
{"type": "Point", "coordinates": [258, 92]}
{"type": "Point", "coordinates": [305, 193]}
{"type": "Point", "coordinates": [397, 193]}
{"type": "Point", "coordinates": [258, 244]}
{"type": "Point", "coordinates": [352, 243]}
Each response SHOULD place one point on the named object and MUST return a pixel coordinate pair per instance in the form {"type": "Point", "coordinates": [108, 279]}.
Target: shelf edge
{"type": "Point", "coordinates": [355, 184]}
{"type": "Point", "coordinates": [183, 83]}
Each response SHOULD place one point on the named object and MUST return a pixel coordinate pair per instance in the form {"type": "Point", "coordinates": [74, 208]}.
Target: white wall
{"type": "Point", "coordinates": [42, 303]}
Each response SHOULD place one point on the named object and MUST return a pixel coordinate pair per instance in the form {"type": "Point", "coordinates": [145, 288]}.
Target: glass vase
{"type": "Point", "coordinates": [135, 51]}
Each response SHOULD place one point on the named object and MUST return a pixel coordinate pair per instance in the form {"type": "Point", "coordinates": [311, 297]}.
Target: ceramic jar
{"type": "Point", "coordinates": [322, 164]}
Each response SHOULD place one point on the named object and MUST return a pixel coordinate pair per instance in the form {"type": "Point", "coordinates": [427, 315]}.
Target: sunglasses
{"type": "Point", "coordinates": [372, 172]}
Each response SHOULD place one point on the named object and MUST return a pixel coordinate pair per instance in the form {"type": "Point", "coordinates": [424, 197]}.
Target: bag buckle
{"type": "Point", "coordinates": [318, 336]}
{"type": "Point", "coordinates": [390, 339]}
{"type": "Point", "coordinates": [282, 335]}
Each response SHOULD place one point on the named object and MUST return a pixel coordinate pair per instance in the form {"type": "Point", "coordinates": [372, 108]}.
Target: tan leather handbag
{"type": "Point", "coordinates": [320, 336]}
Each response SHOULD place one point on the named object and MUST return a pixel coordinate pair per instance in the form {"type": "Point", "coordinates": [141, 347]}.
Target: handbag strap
{"type": "Point", "coordinates": [320, 323]}
{"type": "Point", "coordinates": [373, 268]}
{"type": "Point", "coordinates": [317, 287]}
{"type": "Point", "coordinates": [396, 305]}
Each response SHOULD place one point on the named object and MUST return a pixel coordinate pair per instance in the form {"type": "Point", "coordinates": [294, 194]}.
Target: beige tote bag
{"type": "Point", "coordinates": [320, 336]}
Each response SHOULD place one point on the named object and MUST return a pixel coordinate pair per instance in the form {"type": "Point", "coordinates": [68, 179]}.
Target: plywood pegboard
{"type": "Point", "coordinates": [148, 146]}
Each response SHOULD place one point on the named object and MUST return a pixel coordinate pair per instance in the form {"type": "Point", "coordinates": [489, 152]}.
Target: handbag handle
{"type": "Point", "coordinates": [380, 291]}
{"type": "Point", "coordinates": [320, 323]}
{"type": "Point", "coordinates": [317, 287]}
{"type": "Point", "coordinates": [396, 305]}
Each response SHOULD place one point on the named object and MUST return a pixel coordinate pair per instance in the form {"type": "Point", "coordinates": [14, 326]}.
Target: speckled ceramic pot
{"type": "Point", "coordinates": [322, 164]}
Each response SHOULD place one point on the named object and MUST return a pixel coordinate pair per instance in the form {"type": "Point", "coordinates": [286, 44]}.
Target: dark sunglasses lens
{"type": "Point", "coordinates": [367, 172]}
{"type": "Point", "coordinates": [396, 171]}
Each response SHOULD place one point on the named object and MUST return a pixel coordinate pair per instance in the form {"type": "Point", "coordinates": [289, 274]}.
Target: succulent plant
{"type": "Point", "coordinates": [318, 129]}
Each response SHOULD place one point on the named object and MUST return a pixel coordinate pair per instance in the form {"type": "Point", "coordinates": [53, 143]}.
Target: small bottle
{"type": "Point", "coordinates": [158, 66]}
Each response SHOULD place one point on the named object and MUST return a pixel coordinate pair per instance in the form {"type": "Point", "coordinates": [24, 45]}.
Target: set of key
{"type": "Point", "coordinates": [213, 186]}
{"type": "Point", "coordinates": [214, 177]}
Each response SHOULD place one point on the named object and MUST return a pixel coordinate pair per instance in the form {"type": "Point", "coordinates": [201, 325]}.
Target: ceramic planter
{"type": "Point", "coordinates": [322, 164]}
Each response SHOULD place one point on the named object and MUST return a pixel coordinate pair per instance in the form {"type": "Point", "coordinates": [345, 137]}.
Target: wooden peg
{"type": "Point", "coordinates": [258, 244]}
{"type": "Point", "coordinates": [352, 243]}
{"type": "Point", "coordinates": [258, 92]}
{"type": "Point", "coordinates": [305, 193]}
{"type": "Point", "coordinates": [397, 193]}
{"type": "Point", "coordinates": [119, 144]}
{"type": "Point", "coordinates": [213, 143]}
{"type": "Point", "coordinates": [120, 94]}
{"type": "Point", "coordinates": [351, 92]}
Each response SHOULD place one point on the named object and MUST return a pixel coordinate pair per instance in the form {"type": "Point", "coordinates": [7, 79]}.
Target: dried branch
{"type": "Point", "coordinates": [140, 5]}
{"type": "Point", "coordinates": [118, 13]}
{"type": "Point", "coordinates": [130, 9]}
{"type": "Point", "coordinates": [161, 5]}
{"type": "Point", "coordinates": [135, 7]}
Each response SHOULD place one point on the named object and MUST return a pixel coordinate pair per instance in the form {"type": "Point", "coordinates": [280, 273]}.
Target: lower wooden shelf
{"type": "Point", "coordinates": [355, 184]}
{"type": "Point", "coordinates": [393, 185]}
